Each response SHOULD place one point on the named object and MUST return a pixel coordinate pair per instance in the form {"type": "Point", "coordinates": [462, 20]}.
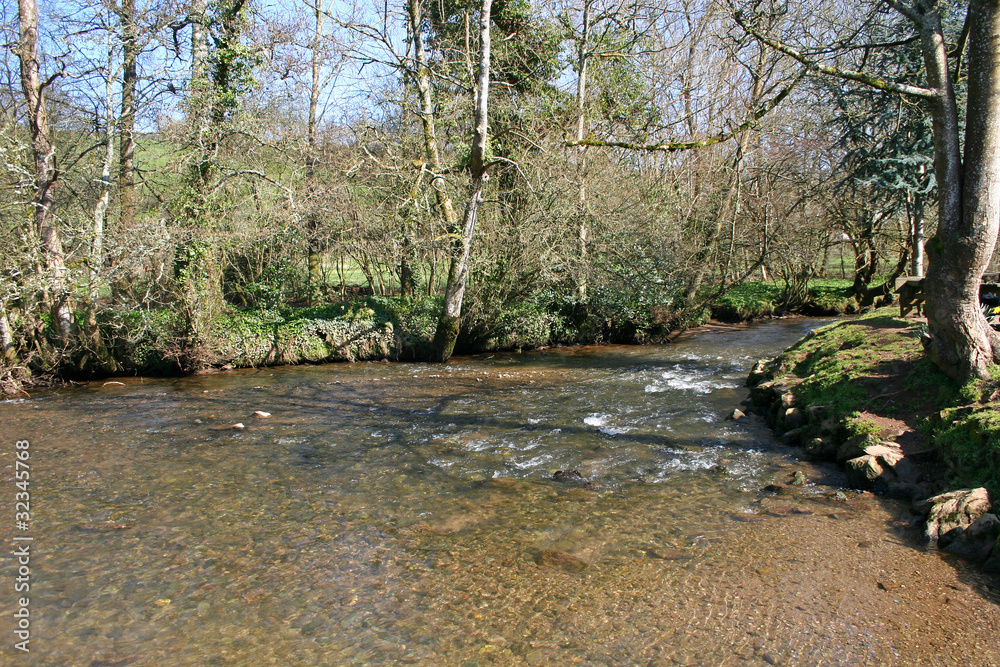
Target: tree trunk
{"type": "Point", "coordinates": [959, 339]}
{"type": "Point", "coordinates": [101, 209]}
{"type": "Point", "coordinates": [97, 353]}
{"type": "Point", "coordinates": [583, 213]}
{"type": "Point", "coordinates": [458, 273]}
{"type": "Point", "coordinates": [427, 115]}
{"type": "Point", "coordinates": [46, 173]}
{"type": "Point", "coordinates": [126, 123]}
{"type": "Point", "coordinates": [315, 242]}
{"type": "Point", "coordinates": [196, 263]}
{"type": "Point", "coordinates": [918, 224]}
{"type": "Point", "coordinates": [7, 337]}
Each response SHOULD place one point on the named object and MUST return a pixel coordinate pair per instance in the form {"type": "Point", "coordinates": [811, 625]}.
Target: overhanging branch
{"type": "Point", "coordinates": [675, 146]}
{"type": "Point", "coordinates": [836, 72]}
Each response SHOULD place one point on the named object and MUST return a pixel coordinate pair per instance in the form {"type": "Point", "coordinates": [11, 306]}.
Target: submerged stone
{"type": "Point", "coordinates": [974, 542]}
{"type": "Point", "coordinates": [559, 559]}
{"type": "Point", "coordinates": [736, 415]}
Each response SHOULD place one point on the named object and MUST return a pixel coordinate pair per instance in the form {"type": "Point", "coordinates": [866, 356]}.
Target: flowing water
{"type": "Point", "coordinates": [407, 514]}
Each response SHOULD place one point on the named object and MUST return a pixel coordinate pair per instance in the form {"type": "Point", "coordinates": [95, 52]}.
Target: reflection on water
{"type": "Point", "coordinates": [406, 513]}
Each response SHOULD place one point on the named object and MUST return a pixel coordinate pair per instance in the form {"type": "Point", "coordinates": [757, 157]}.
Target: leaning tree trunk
{"type": "Point", "coordinates": [959, 340]}
{"type": "Point", "coordinates": [458, 273]}
{"type": "Point", "coordinates": [46, 175]}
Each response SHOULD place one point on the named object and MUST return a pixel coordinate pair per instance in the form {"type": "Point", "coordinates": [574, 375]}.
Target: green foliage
{"type": "Point", "coordinates": [831, 294]}
{"type": "Point", "coordinates": [969, 440]}
{"type": "Point", "coordinates": [751, 298]}
{"type": "Point", "coordinates": [624, 97]}
{"type": "Point", "coordinates": [759, 298]}
{"type": "Point", "coordinates": [524, 324]}
{"type": "Point", "coordinates": [268, 292]}
{"type": "Point", "coordinates": [525, 57]}
{"type": "Point", "coordinates": [143, 341]}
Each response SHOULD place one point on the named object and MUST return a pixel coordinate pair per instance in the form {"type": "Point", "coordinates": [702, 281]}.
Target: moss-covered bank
{"type": "Point", "coordinates": [866, 379]}
{"type": "Point", "coordinates": [753, 300]}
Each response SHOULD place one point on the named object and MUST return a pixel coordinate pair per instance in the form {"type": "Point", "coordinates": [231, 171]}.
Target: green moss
{"type": "Point", "coordinates": [856, 425]}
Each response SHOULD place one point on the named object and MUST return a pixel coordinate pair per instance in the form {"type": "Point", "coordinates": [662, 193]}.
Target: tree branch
{"type": "Point", "coordinates": [849, 75]}
{"type": "Point", "coordinates": [672, 147]}
{"type": "Point", "coordinates": [959, 51]}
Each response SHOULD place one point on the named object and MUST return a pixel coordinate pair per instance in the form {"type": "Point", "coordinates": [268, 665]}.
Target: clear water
{"type": "Point", "coordinates": [406, 514]}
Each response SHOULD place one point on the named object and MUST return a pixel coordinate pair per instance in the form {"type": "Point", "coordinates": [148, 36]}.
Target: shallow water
{"type": "Point", "coordinates": [406, 513]}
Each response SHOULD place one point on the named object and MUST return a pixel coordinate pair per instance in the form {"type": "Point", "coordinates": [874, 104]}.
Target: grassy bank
{"type": "Point", "coordinates": [753, 300]}
{"type": "Point", "coordinates": [866, 380]}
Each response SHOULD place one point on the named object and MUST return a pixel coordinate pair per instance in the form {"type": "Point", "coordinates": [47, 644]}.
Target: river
{"type": "Point", "coordinates": [395, 513]}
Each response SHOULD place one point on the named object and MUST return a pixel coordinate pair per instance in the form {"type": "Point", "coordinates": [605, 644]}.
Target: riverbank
{"type": "Point", "coordinates": [862, 393]}
{"type": "Point", "coordinates": [157, 342]}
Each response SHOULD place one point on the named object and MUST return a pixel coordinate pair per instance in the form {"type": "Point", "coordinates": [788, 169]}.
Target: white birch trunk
{"type": "Point", "coordinates": [458, 274]}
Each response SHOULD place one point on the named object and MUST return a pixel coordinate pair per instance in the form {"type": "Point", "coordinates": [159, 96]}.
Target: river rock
{"type": "Point", "coordinates": [817, 412]}
{"type": "Point", "coordinates": [974, 542]}
{"type": "Point", "coordinates": [798, 478]}
{"type": "Point", "coordinates": [954, 510]}
{"type": "Point", "coordinates": [821, 449]}
{"type": "Point", "coordinates": [787, 399]}
{"type": "Point", "coordinates": [992, 563]}
{"type": "Point", "coordinates": [794, 418]}
{"type": "Point", "coordinates": [736, 415]}
{"type": "Point", "coordinates": [759, 373]}
{"type": "Point", "coordinates": [567, 476]}
{"type": "Point", "coordinates": [875, 468]}
{"type": "Point", "coordinates": [829, 428]}
{"type": "Point", "coordinates": [260, 414]}
{"type": "Point", "coordinates": [793, 437]}
{"type": "Point", "coordinates": [560, 560]}
{"type": "Point", "coordinates": [857, 445]}
{"type": "Point", "coordinates": [663, 553]}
